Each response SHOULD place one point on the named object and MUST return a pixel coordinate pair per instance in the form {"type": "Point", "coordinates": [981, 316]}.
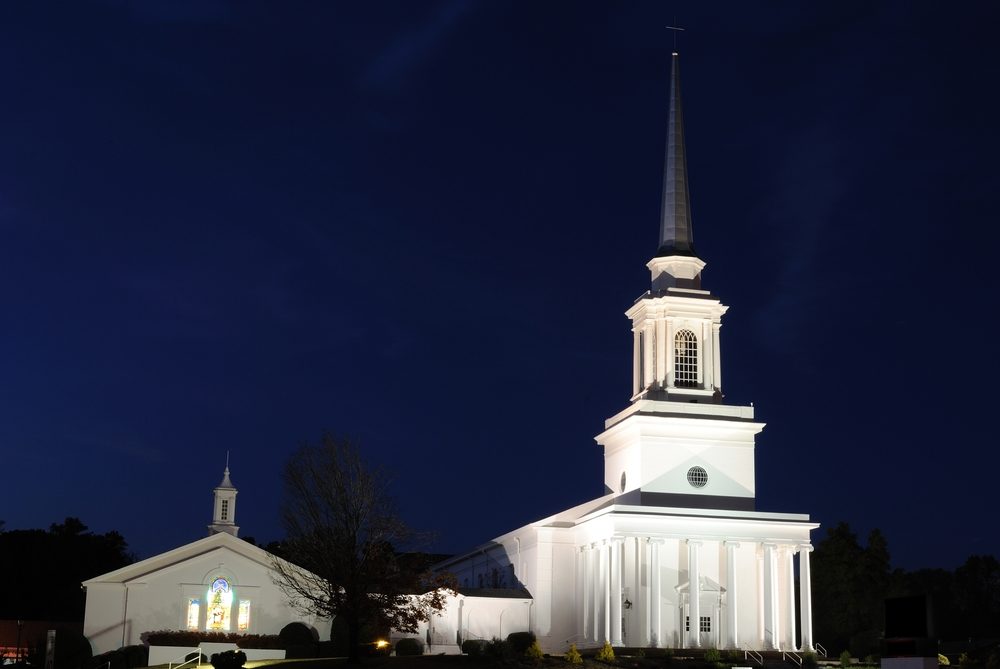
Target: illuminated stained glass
{"type": "Point", "coordinates": [243, 621]}
{"type": "Point", "coordinates": [193, 612]}
{"type": "Point", "coordinates": [220, 605]}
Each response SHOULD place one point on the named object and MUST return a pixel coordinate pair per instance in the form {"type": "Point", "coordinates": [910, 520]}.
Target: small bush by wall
{"type": "Point", "coordinates": [229, 659]}
{"type": "Point", "coordinates": [297, 634]}
{"type": "Point", "coordinates": [72, 650]}
{"type": "Point", "coordinates": [474, 647]}
{"type": "Point", "coordinates": [606, 653]}
{"type": "Point", "coordinates": [191, 638]}
{"type": "Point", "coordinates": [573, 655]}
{"type": "Point", "coordinates": [500, 650]}
{"type": "Point", "coordinates": [409, 646]}
{"type": "Point", "coordinates": [520, 641]}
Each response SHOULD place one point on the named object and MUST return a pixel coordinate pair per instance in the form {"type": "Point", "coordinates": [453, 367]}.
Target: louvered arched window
{"type": "Point", "coordinates": [685, 359]}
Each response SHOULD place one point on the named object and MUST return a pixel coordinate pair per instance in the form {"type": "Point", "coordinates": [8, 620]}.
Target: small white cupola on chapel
{"type": "Point", "coordinates": [224, 506]}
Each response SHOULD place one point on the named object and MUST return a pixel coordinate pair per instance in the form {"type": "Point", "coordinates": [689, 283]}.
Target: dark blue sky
{"type": "Point", "coordinates": [232, 226]}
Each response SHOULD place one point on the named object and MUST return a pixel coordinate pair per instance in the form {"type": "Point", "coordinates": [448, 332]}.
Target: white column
{"type": "Point", "coordinates": [606, 590]}
{"type": "Point", "coordinates": [770, 599]}
{"type": "Point", "coordinates": [668, 349]}
{"type": "Point", "coordinates": [790, 596]}
{"type": "Point", "coordinates": [805, 597]}
{"type": "Point", "coordinates": [707, 355]}
{"type": "Point", "coordinates": [595, 568]}
{"type": "Point", "coordinates": [581, 592]}
{"type": "Point", "coordinates": [694, 595]}
{"type": "Point", "coordinates": [636, 358]}
{"type": "Point", "coordinates": [717, 354]}
{"type": "Point", "coordinates": [760, 596]}
{"type": "Point", "coordinates": [615, 548]}
{"type": "Point", "coordinates": [732, 601]}
{"type": "Point", "coordinates": [647, 358]}
{"type": "Point", "coordinates": [661, 352]}
{"type": "Point", "coordinates": [656, 592]}
{"type": "Point", "coordinates": [641, 603]}
{"type": "Point", "coordinates": [647, 551]}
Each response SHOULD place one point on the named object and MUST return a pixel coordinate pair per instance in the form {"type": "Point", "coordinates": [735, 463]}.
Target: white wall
{"type": "Point", "coordinates": [158, 600]}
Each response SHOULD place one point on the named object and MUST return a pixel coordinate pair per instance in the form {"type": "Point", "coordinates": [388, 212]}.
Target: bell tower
{"type": "Point", "coordinates": [224, 506]}
{"type": "Point", "coordinates": [678, 444]}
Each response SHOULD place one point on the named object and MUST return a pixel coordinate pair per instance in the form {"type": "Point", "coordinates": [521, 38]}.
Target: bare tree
{"type": "Point", "coordinates": [341, 549]}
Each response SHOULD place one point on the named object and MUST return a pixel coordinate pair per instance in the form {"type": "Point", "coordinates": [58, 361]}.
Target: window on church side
{"type": "Point", "coordinates": [225, 509]}
{"type": "Point", "coordinates": [193, 613]}
{"type": "Point", "coordinates": [685, 359]}
{"type": "Point", "coordinates": [243, 620]}
{"type": "Point", "coordinates": [220, 605]}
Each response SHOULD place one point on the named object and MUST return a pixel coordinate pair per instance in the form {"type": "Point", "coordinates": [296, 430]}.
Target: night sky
{"type": "Point", "coordinates": [234, 226]}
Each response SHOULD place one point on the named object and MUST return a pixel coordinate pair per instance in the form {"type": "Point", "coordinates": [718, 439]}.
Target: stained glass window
{"type": "Point", "coordinates": [220, 605]}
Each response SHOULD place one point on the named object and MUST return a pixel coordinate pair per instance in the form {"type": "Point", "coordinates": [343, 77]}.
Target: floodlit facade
{"type": "Point", "coordinates": [218, 584]}
{"type": "Point", "coordinates": [675, 553]}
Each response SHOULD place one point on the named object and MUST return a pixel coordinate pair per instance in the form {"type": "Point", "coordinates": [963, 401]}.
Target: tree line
{"type": "Point", "coordinates": [43, 569]}
{"type": "Point", "coordinates": [851, 581]}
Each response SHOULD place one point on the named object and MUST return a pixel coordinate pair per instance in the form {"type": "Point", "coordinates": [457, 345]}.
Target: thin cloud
{"type": "Point", "coordinates": [412, 48]}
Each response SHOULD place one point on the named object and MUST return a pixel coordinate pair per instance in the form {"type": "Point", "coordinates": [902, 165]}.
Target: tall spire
{"type": "Point", "coordinates": [676, 233]}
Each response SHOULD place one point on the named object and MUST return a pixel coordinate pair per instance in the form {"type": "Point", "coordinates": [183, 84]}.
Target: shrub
{"type": "Point", "coordinates": [809, 660]}
{"type": "Point", "coordinates": [534, 652]}
{"type": "Point", "coordinates": [193, 655]}
{"type": "Point", "coordinates": [297, 634]}
{"type": "Point", "coordinates": [606, 653]}
{"type": "Point", "coordinates": [229, 659]}
{"type": "Point", "coordinates": [943, 660]}
{"type": "Point", "coordinates": [72, 650]}
{"type": "Point", "coordinates": [499, 649]}
{"type": "Point", "coordinates": [845, 658]}
{"type": "Point", "coordinates": [573, 655]}
{"type": "Point", "coordinates": [520, 642]}
{"type": "Point", "coordinates": [259, 641]}
{"type": "Point", "coordinates": [409, 646]}
{"type": "Point", "coordinates": [474, 647]}
{"type": "Point", "coordinates": [713, 655]}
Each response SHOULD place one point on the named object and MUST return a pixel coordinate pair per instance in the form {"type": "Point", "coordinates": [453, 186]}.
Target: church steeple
{"type": "Point", "coordinates": [676, 233]}
{"type": "Point", "coordinates": [224, 506]}
{"type": "Point", "coordinates": [675, 264]}
{"type": "Point", "coordinates": [676, 325]}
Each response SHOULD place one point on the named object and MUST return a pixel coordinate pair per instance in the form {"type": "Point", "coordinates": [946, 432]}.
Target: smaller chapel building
{"type": "Point", "coordinates": [675, 554]}
{"type": "Point", "coordinates": [217, 584]}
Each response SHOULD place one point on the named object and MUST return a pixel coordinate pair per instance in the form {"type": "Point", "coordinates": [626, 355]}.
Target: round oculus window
{"type": "Point", "coordinates": [698, 477]}
{"type": "Point", "coordinates": [623, 483]}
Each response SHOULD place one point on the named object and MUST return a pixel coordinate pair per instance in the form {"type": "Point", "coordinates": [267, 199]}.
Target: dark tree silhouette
{"type": "Point", "coordinates": [850, 583]}
{"type": "Point", "coordinates": [340, 551]}
{"type": "Point", "coordinates": [44, 569]}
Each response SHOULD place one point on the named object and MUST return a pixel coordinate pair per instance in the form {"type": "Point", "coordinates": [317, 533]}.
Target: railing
{"type": "Point", "coordinates": [820, 649]}
{"type": "Point", "coordinates": [193, 659]}
{"type": "Point", "coordinates": [750, 654]}
{"type": "Point", "coordinates": [793, 656]}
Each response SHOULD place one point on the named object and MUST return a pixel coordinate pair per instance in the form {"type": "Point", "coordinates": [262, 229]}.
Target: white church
{"type": "Point", "coordinates": [675, 553]}
{"type": "Point", "coordinates": [217, 584]}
